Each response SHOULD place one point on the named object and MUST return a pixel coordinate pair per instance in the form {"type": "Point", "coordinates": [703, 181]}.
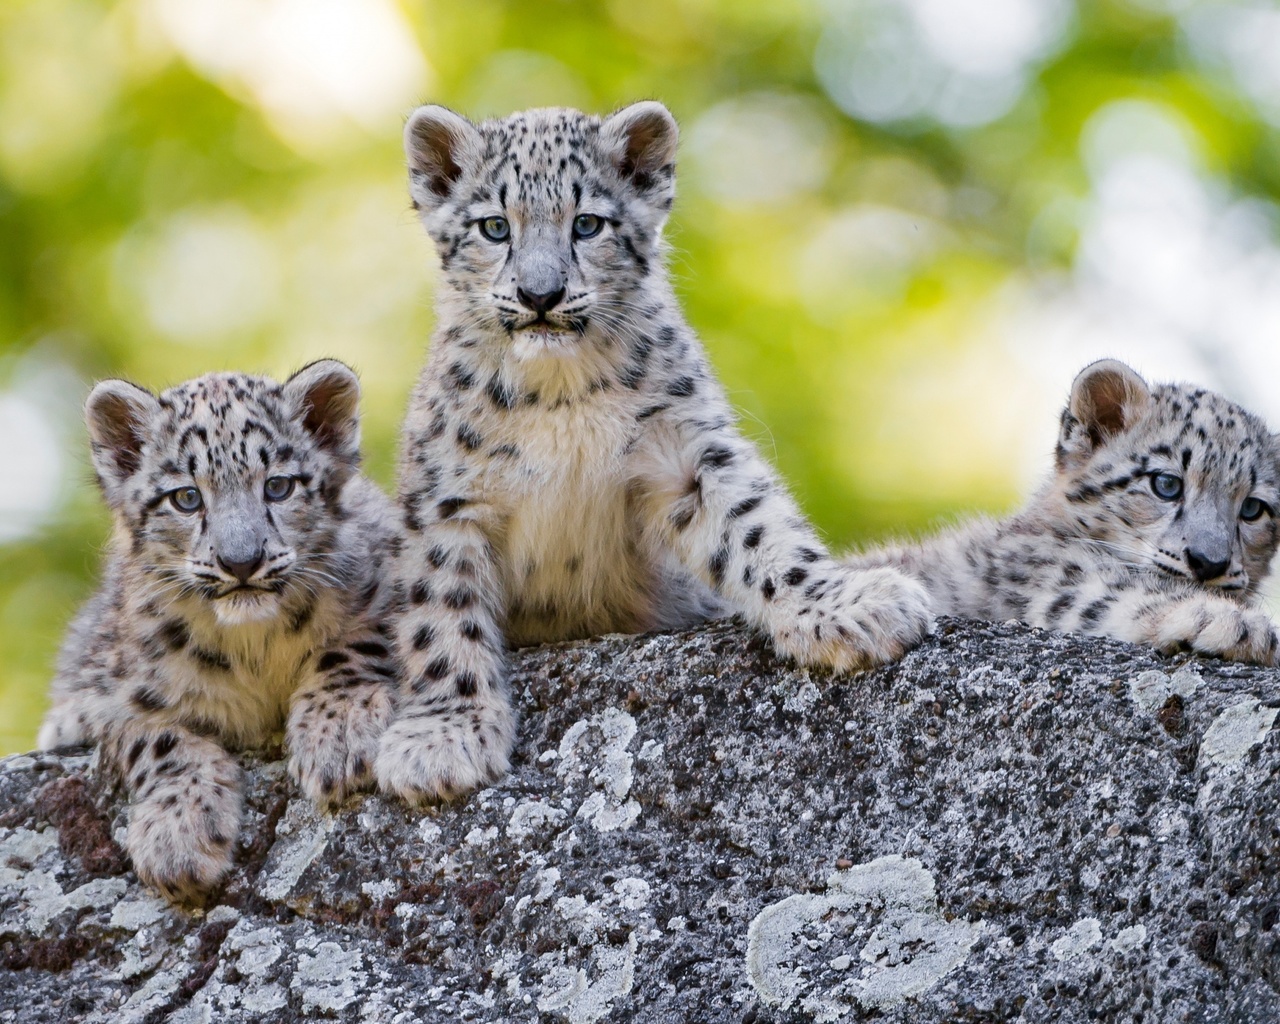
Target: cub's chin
{"type": "Point", "coordinates": [542, 340]}
{"type": "Point", "coordinates": [244, 606]}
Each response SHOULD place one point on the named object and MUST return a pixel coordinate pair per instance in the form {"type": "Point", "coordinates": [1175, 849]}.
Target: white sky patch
{"type": "Point", "coordinates": [32, 470]}
{"type": "Point", "coordinates": [867, 247]}
{"type": "Point", "coordinates": [1174, 273]}
{"type": "Point", "coordinates": [40, 404]}
{"type": "Point", "coordinates": [309, 64]}
{"type": "Point", "coordinates": [959, 62]}
{"type": "Point", "coordinates": [1123, 129]}
{"type": "Point", "coordinates": [1243, 39]}
{"type": "Point", "coordinates": [760, 148]}
{"type": "Point", "coordinates": [989, 38]}
{"type": "Point", "coordinates": [205, 274]}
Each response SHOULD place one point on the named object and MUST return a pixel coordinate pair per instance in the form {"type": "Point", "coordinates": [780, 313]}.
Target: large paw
{"type": "Point", "coordinates": [333, 740]}
{"type": "Point", "coordinates": [850, 619]}
{"type": "Point", "coordinates": [428, 757]}
{"type": "Point", "coordinates": [1220, 628]}
{"type": "Point", "coordinates": [182, 835]}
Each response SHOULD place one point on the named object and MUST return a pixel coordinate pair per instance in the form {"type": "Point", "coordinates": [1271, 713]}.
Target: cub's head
{"type": "Point", "coordinates": [226, 488]}
{"type": "Point", "coordinates": [1173, 479]}
{"type": "Point", "coordinates": [546, 221]}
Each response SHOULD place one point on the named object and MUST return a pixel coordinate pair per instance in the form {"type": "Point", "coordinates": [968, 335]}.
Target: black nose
{"type": "Point", "coordinates": [1204, 567]}
{"type": "Point", "coordinates": [541, 302]}
{"type": "Point", "coordinates": [241, 570]}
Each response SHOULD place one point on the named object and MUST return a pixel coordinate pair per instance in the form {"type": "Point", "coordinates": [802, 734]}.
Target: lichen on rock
{"type": "Point", "coordinates": [1009, 825]}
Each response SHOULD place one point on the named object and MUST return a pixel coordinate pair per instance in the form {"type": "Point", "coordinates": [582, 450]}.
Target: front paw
{"type": "Point", "coordinates": [181, 838]}
{"type": "Point", "coordinates": [430, 757]}
{"type": "Point", "coordinates": [333, 740]}
{"type": "Point", "coordinates": [855, 619]}
{"type": "Point", "coordinates": [1222, 629]}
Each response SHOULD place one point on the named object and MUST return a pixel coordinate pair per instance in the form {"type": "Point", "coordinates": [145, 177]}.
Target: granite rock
{"type": "Point", "coordinates": [1009, 825]}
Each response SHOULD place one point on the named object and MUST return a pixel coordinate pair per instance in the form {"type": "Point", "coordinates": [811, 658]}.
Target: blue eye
{"type": "Point", "coordinates": [1166, 486]}
{"type": "Point", "coordinates": [277, 488]}
{"type": "Point", "coordinates": [1253, 508]}
{"type": "Point", "coordinates": [186, 500]}
{"type": "Point", "coordinates": [587, 225]}
{"type": "Point", "coordinates": [496, 229]}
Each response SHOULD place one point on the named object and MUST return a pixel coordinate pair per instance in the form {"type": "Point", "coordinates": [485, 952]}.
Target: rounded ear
{"type": "Point", "coordinates": [643, 140]}
{"type": "Point", "coordinates": [118, 416]}
{"type": "Point", "coordinates": [438, 144]}
{"type": "Point", "coordinates": [1107, 398]}
{"type": "Point", "coordinates": [325, 397]}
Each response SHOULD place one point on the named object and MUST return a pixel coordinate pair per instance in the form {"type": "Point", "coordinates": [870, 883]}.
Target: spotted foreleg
{"type": "Point", "coordinates": [185, 805]}
{"type": "Point", "coordinates": [713, 500]}
{"type": "Point", "coordinates": [454, 726]}
{"type": "Point", "coordinates": [1204, 623]}
{"type": "Point", "coordinates": [338, 715]}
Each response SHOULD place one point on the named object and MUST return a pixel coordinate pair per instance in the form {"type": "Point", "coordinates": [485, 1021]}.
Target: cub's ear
{"type": "Point", "coordinates": [1107, 398]}
{"type": "Point", "coordinates": [642, 141]}
{"type": "Point", "coordinates": [118, 415]}
{"type": "Point", "coordinates": [439, 144]}
{"type": "Point", "coordinates": [325, 397]}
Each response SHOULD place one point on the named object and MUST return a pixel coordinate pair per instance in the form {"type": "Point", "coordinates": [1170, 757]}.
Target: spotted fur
{"type": "Point", "coordinates": [1099, 550]}
{"type": "Point", "coordinates": [570, 464]}
{"type": "Point", "coordinates": [226, 611]}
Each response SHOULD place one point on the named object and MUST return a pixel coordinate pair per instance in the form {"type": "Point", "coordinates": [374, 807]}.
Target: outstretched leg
{"type": "Point", "coordinates": [1205, 623]}
{"type": "Point", "coordinates": [708, 495]}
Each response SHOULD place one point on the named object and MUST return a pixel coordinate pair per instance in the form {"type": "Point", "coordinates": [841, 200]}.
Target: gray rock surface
{"type": "Point", "coordinates": [1010, 825]}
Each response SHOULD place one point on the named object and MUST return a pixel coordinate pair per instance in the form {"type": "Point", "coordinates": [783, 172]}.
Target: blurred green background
{"type": "Point", "coordinates": [902, 224]}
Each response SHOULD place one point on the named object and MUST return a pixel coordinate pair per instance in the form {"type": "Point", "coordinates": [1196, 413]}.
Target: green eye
{"type": "Point", "coordinates": [587, 225]}
{"type": "Point", "coordinates": [186, 500]}
{"type": "Point", "coordinates": [1166, 486]}
{"type": "Point", "coordinates": [1253, 508]}
{"type": "Point", "coordinates": [496, 229]}
{"type": "Point", "coordinates": [277, 488]}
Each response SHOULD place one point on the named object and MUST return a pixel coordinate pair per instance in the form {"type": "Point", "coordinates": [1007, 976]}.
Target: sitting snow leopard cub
{"type": "Point", "coordinates": [570, 464]}
{"type": "Point", "coordinates": [1157, 526]}
{"type": "Point", "coordinates": [241, 589]}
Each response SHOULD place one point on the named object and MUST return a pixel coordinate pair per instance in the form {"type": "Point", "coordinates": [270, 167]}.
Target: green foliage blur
{"type": "Point", "coordinates": [188, 186]}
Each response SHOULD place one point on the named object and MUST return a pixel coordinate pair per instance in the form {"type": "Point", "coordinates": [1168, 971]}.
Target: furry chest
{"type": "Point", "coordinates": [241, 688]}
{"type": "Point", "coordinates": [569, 541]}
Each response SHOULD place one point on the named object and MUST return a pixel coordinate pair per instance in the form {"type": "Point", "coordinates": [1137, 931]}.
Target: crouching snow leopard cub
{"type": "Point", "coordinates": [570, 465]}
{"type": "Point", "coordinates": [1157, 526]}
{"type": "Point", "coordinates": [241, 590]}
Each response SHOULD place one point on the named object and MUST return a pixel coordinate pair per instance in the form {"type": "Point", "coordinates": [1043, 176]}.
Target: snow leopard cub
{"type": "Point", "coordinates": [570, 465]}
{"type": "Point", "coordinates": [1157, 526]}
{"type": "Point", "coordinates": [241, 594]}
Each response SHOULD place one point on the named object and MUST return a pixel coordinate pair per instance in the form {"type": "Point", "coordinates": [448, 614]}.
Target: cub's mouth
{"type": "Point", "coordinates": [246, 604]}
{"type": "Point", "coordinates": [545, 338]}
{"type": "Point", "coordinates": [564, 323]}
{"type": "Point", "coordinates": [247, 593]}
{"type": "Point", "coordinates": [543, 330]}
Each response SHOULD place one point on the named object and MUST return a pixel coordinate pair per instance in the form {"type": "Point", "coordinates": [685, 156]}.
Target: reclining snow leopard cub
{"type": "Point", "coordinates": [242, 587]}
{"type": "Point", "coordinates": [1157, 526]}
{"type": "Point", "coordinates": [570, 465]}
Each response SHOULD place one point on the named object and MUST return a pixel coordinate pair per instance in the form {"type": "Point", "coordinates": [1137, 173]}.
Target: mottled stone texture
{"type": "Point", "coordinates": [1010, 825]}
